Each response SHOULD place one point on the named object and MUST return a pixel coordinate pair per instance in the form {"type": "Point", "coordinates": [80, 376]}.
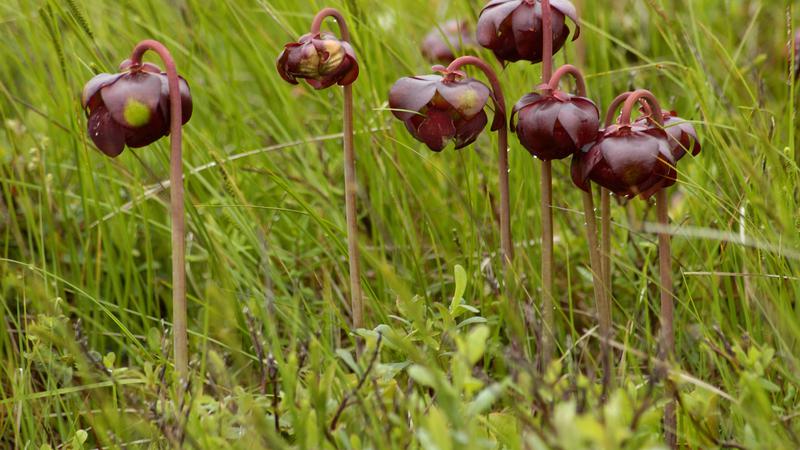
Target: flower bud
{"type": "Point", "coordinates": [321, 59]}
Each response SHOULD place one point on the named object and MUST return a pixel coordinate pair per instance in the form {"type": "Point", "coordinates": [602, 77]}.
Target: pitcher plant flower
{"type": "Point", "coordinates": [441, 45]}
{"type": "Point", "coordinates": [135, 108]}
{"type": "Point", "coordinates": [553, 124]}
{"type": "Point", "coordinates": [440, 109]}
{"type": "Point", "coordinates": [132, 107]}
{"type": "Point", "coordinates": [321, 59]}
{"type": "Point", "coordinates": [514, 29]}
{"type": "Point", "coordinates": [324, 60]}
{"type": "Point", "coordinates": [639, 158]}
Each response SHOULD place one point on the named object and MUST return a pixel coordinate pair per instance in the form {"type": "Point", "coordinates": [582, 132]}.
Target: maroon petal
{"type": "Point", "coordinates": [410, 94]}
{"type": "Point", "coordinates": [468, 96]}
{"type": "Point", "coordinates": [281, 63]}
{"type": "Point", "coordinates": [148, 134]}
{"type": "Point", "coordinates": [580, 123]}
{"type": "Point", "coordinates": [350, 75]}
{"type": "Point", "coordinates": [186, 99]}
{"type": "Point", "coordinates": [528, 99]}
{"type": "Point", "coordinates": [436, 130]}
{"type": "Point", "coordinates": [133, 99]}
{"type": "Point", "coordinates": [95, 84]}
{"type": "Point", "coordinates": [568, 9]}
{"type": "Point", "coordinates": [491, 19]}
{"type": "Point", "coordinates": [106, 134]}
{"type": "Point", "coordinates": [467, 131]}
{"type": "Point", "coordinates": [524, 23]}
{"type": "Point", "coordinates": [583, 163]}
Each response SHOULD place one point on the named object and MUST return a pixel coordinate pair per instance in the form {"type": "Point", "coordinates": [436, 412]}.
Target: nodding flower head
{"type": "Point", "coordinates": [512, 29]}
{"type": "Point", "coordinates": [554, 124]}
{"type": "Point", "coordinates": [321, 59]}
{"type": "Point", "coordinates": [440, 109]}
{"type": "Point", "coordinates": [131, 108]}
{"type": "Point", "coordinates": [630, 159]}
{"type": "Point", "coordinates": [441, 45]}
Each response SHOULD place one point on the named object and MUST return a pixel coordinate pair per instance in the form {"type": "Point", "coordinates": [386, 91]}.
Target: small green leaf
{"type": "Point", "coordinates": [422, 375]}
{"type": "Point", "coordinates": [461, 287]}
{"type": "Point", "coordinates": [476, 343]}
{"type": "Point", "coordinates": [108, 360]}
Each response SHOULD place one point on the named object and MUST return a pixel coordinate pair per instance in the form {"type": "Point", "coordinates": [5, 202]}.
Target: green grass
{"type": "Point", "coordinates": [85, 266]}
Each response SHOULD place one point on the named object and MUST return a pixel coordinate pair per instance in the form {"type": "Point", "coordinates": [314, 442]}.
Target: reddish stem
{"type": "Point", "coordinates": [602, 299]}
{"type": "Point", "coordinates": [580, 82]}
{"type": "Point", "coordinates": [612, 109]}
{"type": "Point", "coordinates": [548, 303]}
{"type": "Point", "coordinates": [600, 293]}
{"type": "Point", "coordinates": [179, 314]}
{"type": "Point", "coordinates": [350, 181]}
{"type": "Point", "coordinates": [647, 99]}
{"type": "Point", "coordinates": [547, 39]}
{"type": "Point", "coordinates": [502, 150]}
{"type": "Point", "coordinates": [667, 310]}
{"type": "Point", "coordinates": [331, 12]}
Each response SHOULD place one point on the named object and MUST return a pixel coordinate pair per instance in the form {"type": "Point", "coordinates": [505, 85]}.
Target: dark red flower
{"type": "Point", "coordinates": [321, 59]}
{"type": "Point", "coordinates": [131, 108]}
{"type": "Point", "coordinates": [512, 29]}
{"type": "Point", "coordinates": [554, 125]}
{"type": "Point", "coordinates": [682, 135]}
{"type": "Point", "coordinates": [439, 109]}
{"type": "Point", "coordinates": [628, 160]}
{"type": "Point", "coordinates": [441, 45]}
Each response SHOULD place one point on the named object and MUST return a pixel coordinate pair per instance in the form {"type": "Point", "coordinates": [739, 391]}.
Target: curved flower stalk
{"type": "Point", "coordinates": [440, 109]}
{"type": "Point", "coordinates": [136, 108]}
{"type": "Point", "coordinates": [554, 125]}
{"type": "Point", "coordinates": [638, 158]}
{"type": "Point", "coordinates": [441, 45]}
{"type": "Point", "coordinates": [323, 61]}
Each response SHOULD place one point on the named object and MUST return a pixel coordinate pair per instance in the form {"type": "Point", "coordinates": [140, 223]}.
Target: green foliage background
{"type": "Point", "coordinates": [84, 242]}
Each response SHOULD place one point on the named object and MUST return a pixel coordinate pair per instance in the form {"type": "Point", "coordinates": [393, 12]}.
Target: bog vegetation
{"type": "Point", "coordinates": [408, 300]}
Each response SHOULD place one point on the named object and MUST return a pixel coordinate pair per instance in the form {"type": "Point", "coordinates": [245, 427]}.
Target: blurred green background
{"type": "Point", "coordinates": [85, 267]}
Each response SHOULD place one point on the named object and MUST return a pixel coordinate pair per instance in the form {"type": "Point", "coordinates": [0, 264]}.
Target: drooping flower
{"type": "Point", "coordinates": [131, 108]}
{"type": "Point", "coordinates": [440, 109]}
{"type": "Point", "coordinates": [512, 29]}
{"type": "Point", "coordinates": [628, 160]}
{"type": "Point", "coordinates": [441, 45]}
{"type": "Point", "coordinates": [321, 59]}
{"type": "Point", "coordinates": [682, 135]}
{"type": "Point", "coordinates": [554, 124]}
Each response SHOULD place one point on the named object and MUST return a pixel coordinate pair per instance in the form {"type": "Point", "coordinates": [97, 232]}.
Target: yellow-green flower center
{"type": "Point", "coordinates": [136, 113]}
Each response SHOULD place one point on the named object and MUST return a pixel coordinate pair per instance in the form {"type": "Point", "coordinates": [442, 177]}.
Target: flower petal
{"type": "Point", "coordinates": [468, 96]}
{"type": "Point", "coordinates": [410, 94]}
{"type": "Point", "coordinates": [568, 9]}
{"type": "Point", "coordinates": [106, 134]}
{"type": "Point", "coordinates": [436, 130]}
{"type": "Point", "coordinates": [467, 131]}
{"type": "Point", "coordinates": [95, 84]}
{"type": "Point", "coordinates": [580, 121]}
{"type": "Point", "coordinates": [133, 99]}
